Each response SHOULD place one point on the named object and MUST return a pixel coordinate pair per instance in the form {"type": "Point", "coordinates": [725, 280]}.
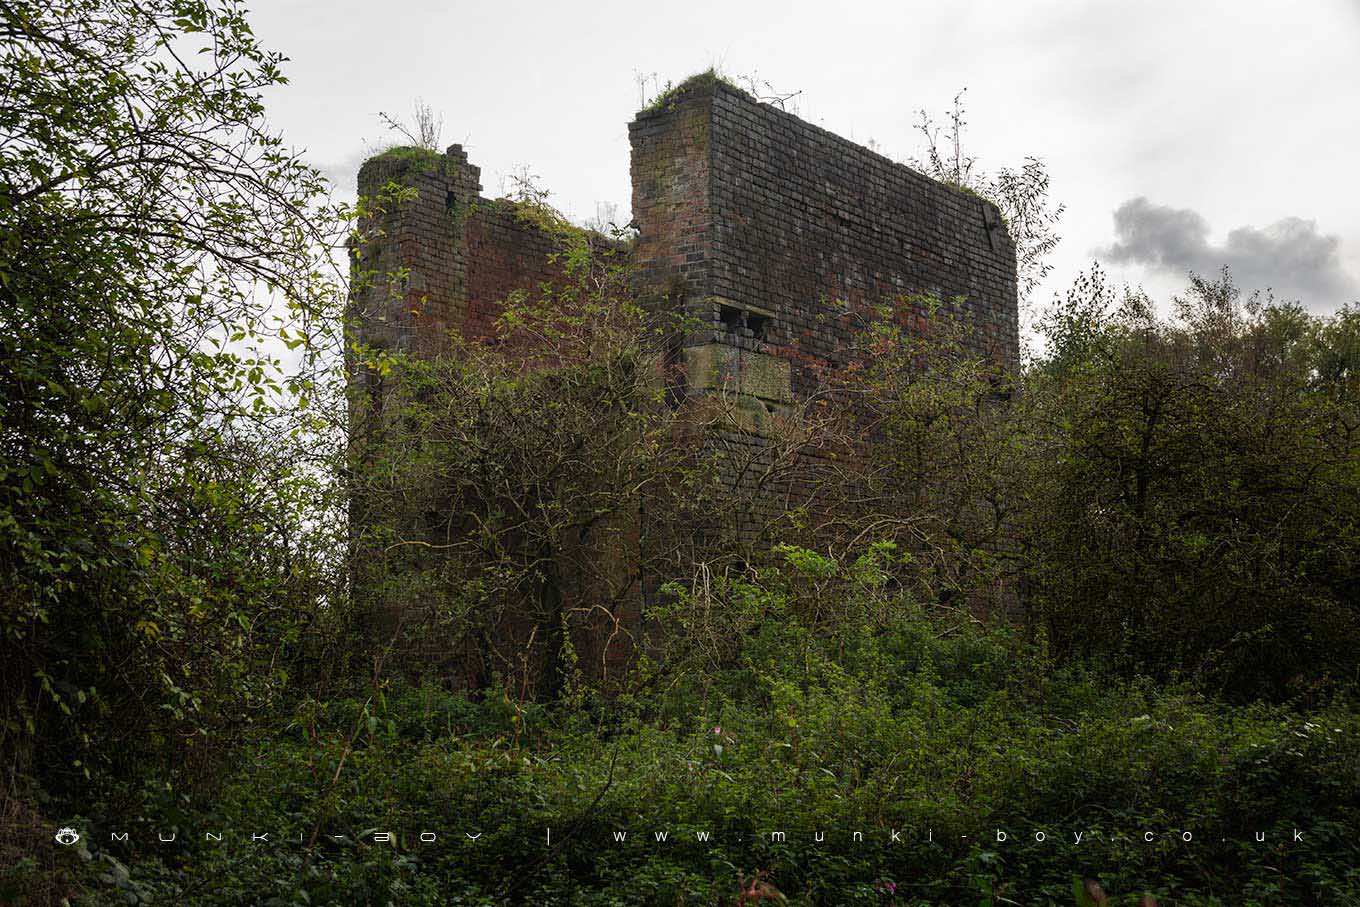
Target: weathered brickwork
{"type": "Point", "coordinates": [775, 232]}
{"type": "Point", "coordinates": [415, 263]}
{"type": "Point", "coordinates": [772, 237]}
{"type": "Point", "coordinates": [671, 177]}
{"type": "Point", "coordinates": [770, 233]}
{"type": "Point", "coordinates": [445, 259]}
{"type": "Point", "coordinates": [505, 255]}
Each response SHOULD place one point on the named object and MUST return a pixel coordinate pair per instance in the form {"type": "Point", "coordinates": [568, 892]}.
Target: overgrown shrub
{"type": "Point", "coordinates": [1191, 489]}
{"type": "Point", "coordinates": [925, 728]}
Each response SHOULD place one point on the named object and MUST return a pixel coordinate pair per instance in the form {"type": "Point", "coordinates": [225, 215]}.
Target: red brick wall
{"type": "Point", "coordinates": [462, 254]}
{"type": "Point", "coordinates": [505, 254]}
{"type": "Point", "coordinates": [752, 207]}
{"type": "Point", "coordinates": [744, 212]}
{"type": "Point", "coordinates": [750, 216]}
{"type": "Point", "coordinates": [671, 176]}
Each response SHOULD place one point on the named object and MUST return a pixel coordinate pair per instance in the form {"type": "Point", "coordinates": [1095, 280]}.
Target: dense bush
{"type": "Point", "coordinates": [498, 490]}
{"type": "Point", "coordinates": [909, 725]}
{"type": "Point", "coordinates": [166, 502]}
{"type": "Point", "coordinates": [160, 476]}
{"type": "Point", "coordinates": [1191, 489]}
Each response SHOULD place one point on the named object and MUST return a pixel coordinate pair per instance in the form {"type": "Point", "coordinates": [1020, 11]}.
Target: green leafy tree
{"type": "Point", "coordinates": [1191, 495]}
{"type": "Point", "coordinates": [166, 286]}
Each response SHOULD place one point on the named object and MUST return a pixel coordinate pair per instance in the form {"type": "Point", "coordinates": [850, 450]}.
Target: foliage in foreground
{"type": "Point", "coordinates": [916, 727]}
{"type": "Point", "coordinates": [160, 473]}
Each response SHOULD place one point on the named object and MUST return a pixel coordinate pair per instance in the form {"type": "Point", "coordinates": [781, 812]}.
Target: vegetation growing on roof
{"type": "Point", "coordinates": [431, 160]}
{"type": "Point", "coordinates": [671, 94]}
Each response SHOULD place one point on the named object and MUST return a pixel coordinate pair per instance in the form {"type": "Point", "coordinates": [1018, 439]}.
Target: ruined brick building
{"type": "Point", "coordinates": [760, 227]}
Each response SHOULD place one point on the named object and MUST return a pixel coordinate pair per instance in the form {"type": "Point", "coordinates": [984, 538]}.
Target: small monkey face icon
{"type": "Point", "coordinates": [67, 836]}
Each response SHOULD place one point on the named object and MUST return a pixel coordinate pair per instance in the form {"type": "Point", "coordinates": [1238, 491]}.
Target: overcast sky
{"type": "Point", "coordinates": [1180, 134]}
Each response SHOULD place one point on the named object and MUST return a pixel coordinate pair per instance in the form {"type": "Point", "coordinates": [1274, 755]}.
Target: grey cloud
{"type": "Point", "coordinates": [1290, 256]}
